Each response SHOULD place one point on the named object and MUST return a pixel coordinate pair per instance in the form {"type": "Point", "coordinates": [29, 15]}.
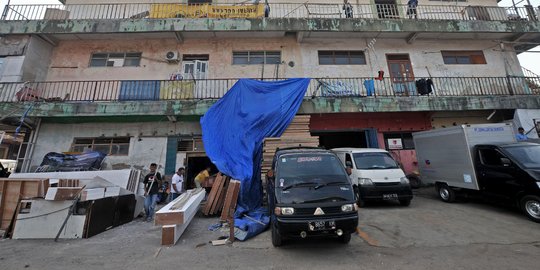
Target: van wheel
{"type": "Point", "coordinates": [414, 181]}
{"type": "Point", "coordinates": [345, 238]}
{"type": "Point", "coordinates": [276, 236]}
{"type": "Point", "coordinates": [405, 202]}
{"type": "Point", "coordinates": [446, 193]}
{"type": "Point", "coordinates": [359, 202]}
{"type": "Point", "coordinates": [530, 205]}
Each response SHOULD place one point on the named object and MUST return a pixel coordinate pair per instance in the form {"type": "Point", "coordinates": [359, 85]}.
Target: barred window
{"type": "Point", "coordinates": [342, 58]}
{"type": "Point", "coordinates": [115, 146]}
{"type": "Point", "coordinates": [256, 57]}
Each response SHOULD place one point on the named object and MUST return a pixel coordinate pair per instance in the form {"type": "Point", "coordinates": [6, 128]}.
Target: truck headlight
{"type": "Point", "coordinates": [404, 180]}
{"type": "Point", "coordinates": [286, 211]}
{"type": "Point", "coordinates": [348, 208]}
{"type": "Point", "coordinates": [365, 181]}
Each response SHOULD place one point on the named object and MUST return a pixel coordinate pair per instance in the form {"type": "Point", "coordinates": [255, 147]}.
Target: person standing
{"type": "Point", "coordinates": [521, 136]}
{"type": "Point", "coordinates": [411, 8]}
{"type": "Point", "coordinates": [348, 9]}
{"type": "Point", "coordinates": [177, 183]}
{"type": "Point", "coordinates": [152, 184]}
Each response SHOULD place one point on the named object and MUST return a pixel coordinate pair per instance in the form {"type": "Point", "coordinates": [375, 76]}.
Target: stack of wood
{"type": "Point", "coordinates": [296, 134]}
{"type": "Point", "coordinates": [176, 216]}
{"type": "Point", "coordinates": [216, 198]}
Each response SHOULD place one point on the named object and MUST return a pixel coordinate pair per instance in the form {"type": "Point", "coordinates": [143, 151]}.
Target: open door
{"type": "Point", "coordinates": [401, 74]}
{"type": "Point", "coordinates": [387, 9]}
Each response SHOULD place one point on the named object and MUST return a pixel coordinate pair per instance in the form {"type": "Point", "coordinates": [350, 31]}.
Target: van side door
{"type": "Point", "coordinates": [494, 176]}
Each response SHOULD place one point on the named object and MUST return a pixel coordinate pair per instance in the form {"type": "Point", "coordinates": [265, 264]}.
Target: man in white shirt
{"type": "Point", "coordinates": [177, 183]}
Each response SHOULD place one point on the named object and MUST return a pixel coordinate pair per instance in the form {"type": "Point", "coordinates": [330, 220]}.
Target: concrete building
{"type": "Point", "coordinates": [132, 80]}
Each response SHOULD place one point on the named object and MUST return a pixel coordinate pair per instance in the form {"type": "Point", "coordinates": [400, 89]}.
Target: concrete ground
{"type": "Point", "coordinates": [429, 234]}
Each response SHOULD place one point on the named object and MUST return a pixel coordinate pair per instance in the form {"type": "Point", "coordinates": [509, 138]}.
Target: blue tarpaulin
{"type": "Point", "coordinates": [233, 131]}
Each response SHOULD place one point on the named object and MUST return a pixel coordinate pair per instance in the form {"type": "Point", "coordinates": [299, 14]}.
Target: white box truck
{"type": "Point", "coordinates": [483, 158]}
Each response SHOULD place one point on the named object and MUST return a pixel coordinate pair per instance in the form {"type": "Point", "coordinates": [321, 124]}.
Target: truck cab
{"type": "Point", "coordinates": [375, 175]}
{"type": "Point", "coordinates": [310, 195]}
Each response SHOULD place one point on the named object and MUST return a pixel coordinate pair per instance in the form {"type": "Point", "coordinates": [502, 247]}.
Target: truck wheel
{"type": "Point", "coordinates": [405, 202]}
{"type": "Point", "coordinates": [276, 236]}
{"type": "Point", "coordinates": [446, 193]}
{"type": "Point", "coordinates": [530, 205]}
{"type": "Point", "coordinates": [414, 181]}
{"type": "Point", "coordinates": [345, 238]}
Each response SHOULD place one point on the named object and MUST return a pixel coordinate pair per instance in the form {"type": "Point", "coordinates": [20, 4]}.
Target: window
{"type": "Point", "coordinates": [463, 57]}
{"type": "Point", "coordinates": [448, 0]}
{"type": "Point", "coordinates": [405, 138]}
{"type": "Point", "coordinates": [348, 160]}
{"type": "Point", "coordinates": [342, 58]}
{"type": "Point", "coordinates": [1, 66]}
{"type": "Point", "coordinates": [256, 57]}
{"type": "Point", "coordinates": [115, 59]}
{"type": "Point", "coordinates": [117, 146]}
{"type": "Point", "coordinates": [490, 157]}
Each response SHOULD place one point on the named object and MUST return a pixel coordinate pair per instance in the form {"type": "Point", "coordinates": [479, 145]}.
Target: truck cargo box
{"type": "Point", "coordinates": [445, 155]}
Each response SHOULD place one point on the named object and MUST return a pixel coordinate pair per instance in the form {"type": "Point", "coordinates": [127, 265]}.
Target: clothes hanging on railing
{"type": "Point", "coordinates": [424, 87]}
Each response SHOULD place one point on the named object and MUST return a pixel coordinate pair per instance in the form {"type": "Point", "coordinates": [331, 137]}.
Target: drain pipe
{"type": "Point", "coordinates": [30, 149]}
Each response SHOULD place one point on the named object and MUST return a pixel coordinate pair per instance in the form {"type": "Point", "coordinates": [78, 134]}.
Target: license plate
{"type": "Point", "coordinates": [389, 196]}
{"type": "Point", "coordinates": [321, 225]}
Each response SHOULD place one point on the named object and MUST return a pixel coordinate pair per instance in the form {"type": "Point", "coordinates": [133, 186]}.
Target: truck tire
{"type": "Point", "coordinates": [277, 241]}
{"type": "Point", "coordinates": [405, 202]}
{"type": "Point", "coordinates": [530, 205]}
{"type": "Point", "coordinates": [345, 238]}
{"type": "Point", "coordinates": [446, 193]}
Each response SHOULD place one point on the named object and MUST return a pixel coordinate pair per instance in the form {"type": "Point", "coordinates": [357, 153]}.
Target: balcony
{"type": "Point", "coordinates": [279, 10]}
{"type": "Point", "coordinates": [324, 95]}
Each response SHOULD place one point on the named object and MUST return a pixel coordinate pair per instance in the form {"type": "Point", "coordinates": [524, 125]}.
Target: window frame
{"type": "Point", "coordinates": [82, 145]}
{"type": "Point", "coordinates": [249, 55]}
{"type": "Point", "coordinates": [127, 57]}
{"type": "Point", "coordinates": [473, 57]}
{"type": "Point", "coordinates": [349, 58]}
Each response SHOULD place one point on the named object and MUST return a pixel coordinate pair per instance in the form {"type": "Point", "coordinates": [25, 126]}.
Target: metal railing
{"type": "Point", "coordinates": [278, 10]}
{"type": "Point", "coordinates": [147, 90]}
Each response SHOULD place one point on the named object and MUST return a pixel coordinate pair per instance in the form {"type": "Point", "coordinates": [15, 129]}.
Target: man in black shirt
{"type": "Point", "coordinates": [152, 183]}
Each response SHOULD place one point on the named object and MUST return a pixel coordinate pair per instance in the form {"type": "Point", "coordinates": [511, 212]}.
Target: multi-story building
{"type": "Point", "coordinates": [133, 79]}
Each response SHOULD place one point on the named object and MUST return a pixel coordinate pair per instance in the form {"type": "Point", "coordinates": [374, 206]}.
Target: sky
{"type": "Point", "coordinates": [529, 60]}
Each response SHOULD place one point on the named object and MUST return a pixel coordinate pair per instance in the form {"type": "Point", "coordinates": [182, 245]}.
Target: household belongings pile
{"type": "Point", "coordinates": [36, 205]}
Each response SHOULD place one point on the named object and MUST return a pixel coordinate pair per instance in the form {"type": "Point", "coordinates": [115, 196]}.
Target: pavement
{"type": "Point", "coordinates": [429, 234]}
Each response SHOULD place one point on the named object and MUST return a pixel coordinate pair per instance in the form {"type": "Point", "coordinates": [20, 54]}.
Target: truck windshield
{"type": "Point", "coordinates": [374, 161]}
{"type": "Point", "coordinates": [318, 168]}
{"type": "Point", "coordinates": [527, 156]}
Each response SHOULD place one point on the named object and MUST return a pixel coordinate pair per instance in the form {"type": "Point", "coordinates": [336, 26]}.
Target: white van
{"type": "Point", "coordinates": [375, 175]}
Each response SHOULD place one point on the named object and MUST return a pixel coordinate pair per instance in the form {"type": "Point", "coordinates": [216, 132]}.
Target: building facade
{"type": "Point", "coordinates": [133, 79]}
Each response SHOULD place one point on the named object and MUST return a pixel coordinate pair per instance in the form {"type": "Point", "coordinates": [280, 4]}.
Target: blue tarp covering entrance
{"type": "Point", "coordinates": [233, 131]}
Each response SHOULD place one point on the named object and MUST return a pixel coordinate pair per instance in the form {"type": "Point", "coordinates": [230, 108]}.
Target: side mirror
{"type": "Point", "coordinates": [349, 170]}
{"type": "Point", "coordinates": [506, 162]}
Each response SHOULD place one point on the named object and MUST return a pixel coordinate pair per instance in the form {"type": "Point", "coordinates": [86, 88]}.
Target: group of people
{"type": "Point", "coordinates": [154, 188]}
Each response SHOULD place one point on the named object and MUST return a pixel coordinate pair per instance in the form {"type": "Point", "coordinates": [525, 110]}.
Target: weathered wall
{"type": "Point", "coordinates": [37, 59]}
{"type": "Point", "coordinates": [70, 59]}
{"type": "Point", "coordinates": [145, 147]}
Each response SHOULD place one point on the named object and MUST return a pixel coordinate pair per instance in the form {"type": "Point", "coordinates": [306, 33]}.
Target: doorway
{"type": "Point", "coordinates": [195, 163]}
{"type": "Point", "coordinates": [387, 9]}
{"type": "Point", "coordinates": [401, 74]}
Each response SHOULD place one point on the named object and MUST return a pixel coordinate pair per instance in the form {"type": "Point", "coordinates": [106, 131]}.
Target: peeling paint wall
{"type": "Point", "coordinates": [36, 60]}
{"type": "Point", "coordinates": [145, 147]}
{"type": "Point", "coordinates": [70, 60]}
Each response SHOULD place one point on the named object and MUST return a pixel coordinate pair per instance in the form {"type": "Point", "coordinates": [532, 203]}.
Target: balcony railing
{"type": "Point", "coordinates": [279, 10]}
{"type": "Point", "coordinates": [90, 91]}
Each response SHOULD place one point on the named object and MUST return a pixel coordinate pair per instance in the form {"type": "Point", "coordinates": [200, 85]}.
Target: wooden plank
{"type": "Point", "coordinates": [230, 199]}
{"type": "Point", "coordinates": [62, 193]}
{"type": "Point", "coordinates": [174, 213]}
{"type": "Point", "coordinates": [221, 188]}
{"type": "Point", "coordinates": [221, 198]}
{"type": "Point", "coordinates": [92, 194]}
{"type": "Point", "coordinates": [213, 194]}
{"type": "Point", "coordinates": [189, 209]}
{"type": "Point", "coordinates": [12, 196]}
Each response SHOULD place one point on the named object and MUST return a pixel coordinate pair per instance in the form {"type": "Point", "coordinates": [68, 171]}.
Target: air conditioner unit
{"type": "Point", "coordinates": [172, 56]}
